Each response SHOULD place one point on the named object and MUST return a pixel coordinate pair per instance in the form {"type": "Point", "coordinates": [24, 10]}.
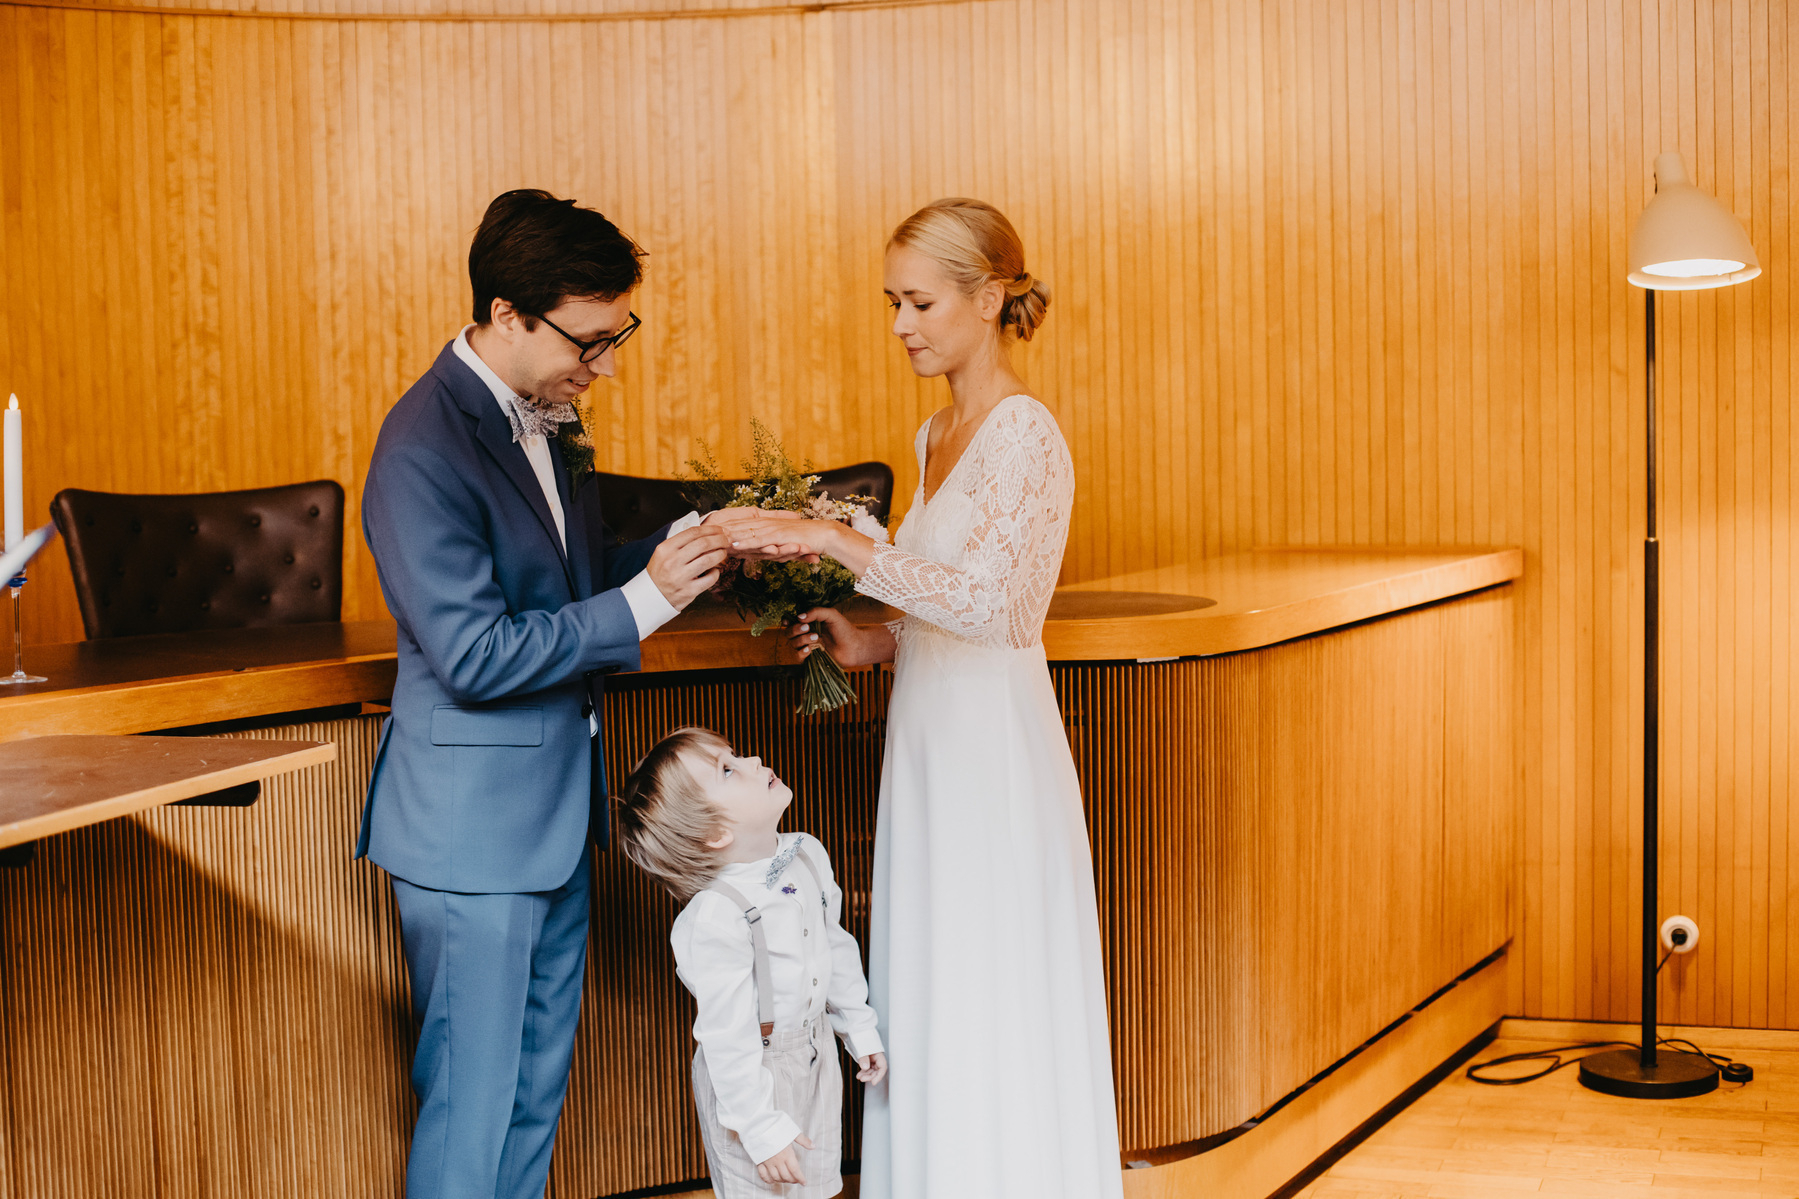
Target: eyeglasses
{"type": "Point", "coordinates": [599, 345]}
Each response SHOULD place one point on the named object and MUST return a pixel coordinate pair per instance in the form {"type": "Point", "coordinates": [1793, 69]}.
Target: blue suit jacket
{"type": "Point", "coordinates": [486, 777]}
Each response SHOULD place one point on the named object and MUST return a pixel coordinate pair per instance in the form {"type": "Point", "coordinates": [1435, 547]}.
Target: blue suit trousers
{"type": "Point", "coordinates": [496, 990]}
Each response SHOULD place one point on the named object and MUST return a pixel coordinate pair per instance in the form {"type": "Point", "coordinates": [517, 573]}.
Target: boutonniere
{"type": "Point", "coordinates": [577, 451]}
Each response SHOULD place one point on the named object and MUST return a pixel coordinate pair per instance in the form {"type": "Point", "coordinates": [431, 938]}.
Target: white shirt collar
{"type": "Point", "coordinates": [501, 393]}
{"type": "Point", "coordinates": [757, 870]}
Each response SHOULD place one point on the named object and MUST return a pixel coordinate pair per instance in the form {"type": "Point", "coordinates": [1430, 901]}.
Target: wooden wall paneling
{"type": "Point", "coordinates": [1322, 274]}
{"type": "Point", "coordinates": [1774, 386]}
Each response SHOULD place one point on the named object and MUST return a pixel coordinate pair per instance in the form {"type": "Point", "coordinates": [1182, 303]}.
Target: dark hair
{"type": "Point", "coordinates": [534, 251]}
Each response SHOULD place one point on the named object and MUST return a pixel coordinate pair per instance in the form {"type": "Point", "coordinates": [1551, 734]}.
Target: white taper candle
{"type": "Point", "coordinates": [14, 453]}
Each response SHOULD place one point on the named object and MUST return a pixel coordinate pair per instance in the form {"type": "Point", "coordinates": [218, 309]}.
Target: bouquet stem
{"type": "Point", "coordinates": [826, 688]}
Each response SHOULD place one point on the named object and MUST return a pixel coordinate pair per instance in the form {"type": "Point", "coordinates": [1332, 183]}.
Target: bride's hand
{"type": "Point", "coordinates": [829, 630]}
{"type": "Point", "coordinates": [776, 532]}
{"type": "Point", "coordinates": [762, 533]}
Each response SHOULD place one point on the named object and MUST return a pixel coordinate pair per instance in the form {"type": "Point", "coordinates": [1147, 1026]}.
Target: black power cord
{"type": "Point", "coordinates": [1553, 1058]}
{"type": "Point", "coordinates": [1732, 1071]}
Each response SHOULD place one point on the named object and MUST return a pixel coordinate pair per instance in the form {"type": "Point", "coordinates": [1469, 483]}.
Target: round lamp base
{"type": "Point", "coordinates": [1674, 1076]}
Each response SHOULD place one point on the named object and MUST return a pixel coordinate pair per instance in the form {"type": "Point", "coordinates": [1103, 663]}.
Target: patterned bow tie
{"type": "Point", "coordinates": [531, 419]}
{"type": "Point", "coordinates": [782, 860]}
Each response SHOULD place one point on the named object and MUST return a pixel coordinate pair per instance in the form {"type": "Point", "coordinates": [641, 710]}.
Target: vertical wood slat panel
{"type": "Point", "coordinates": [237, 980]}
{"type": "Point", "coordinates": [209, 1001]}
{"type": "Point", "coordinates": [1323, 273]}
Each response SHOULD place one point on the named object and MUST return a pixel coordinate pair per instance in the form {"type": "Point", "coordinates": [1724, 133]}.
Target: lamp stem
{"type": "Point", "coordinates": [1652, 578]}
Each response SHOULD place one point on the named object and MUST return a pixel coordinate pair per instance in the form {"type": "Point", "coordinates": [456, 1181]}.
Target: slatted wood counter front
{"type": "Point", "coordinates": [1302, 822]}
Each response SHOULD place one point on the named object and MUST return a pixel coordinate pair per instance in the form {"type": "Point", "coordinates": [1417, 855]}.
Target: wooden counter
{"type": "Point", "coordinates": [1221, 606]}
{"type": "Point", "coordinates": [143, 684]}
{"type": "Point", "coordinates": [1260, 598]}
{"type": "Point", "coordinates": [1303, 830]}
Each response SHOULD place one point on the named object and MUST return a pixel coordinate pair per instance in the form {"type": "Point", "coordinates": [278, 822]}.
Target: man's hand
{"type": "Point", "coordinates": [735, 519]}
{"type": "Point", "coordinates": [874, 1068]}
{"type": "Point", "coordinates": [687, 563]}
{"type": "Point", "coordinates": [785, 1165]}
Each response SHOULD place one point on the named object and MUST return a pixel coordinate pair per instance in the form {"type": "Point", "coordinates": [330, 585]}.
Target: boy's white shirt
{"type": "Point", "coordinates": [812, 961]}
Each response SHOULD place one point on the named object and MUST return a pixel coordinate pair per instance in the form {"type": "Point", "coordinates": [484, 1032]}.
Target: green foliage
{"type": "Point", "coordinates": [775, 482]}
{"type": "Point", "coordinates": [773, 594]}
{"type": "Point", "coordinates": [577, 452]}
{"type": "Point", "coordinates": [708, 491]}
{"type": "Point", "coordinates": [777, 592]}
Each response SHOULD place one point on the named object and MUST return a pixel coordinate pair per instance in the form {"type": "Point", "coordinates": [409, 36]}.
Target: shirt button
{"type": "Point", "coordinates": [815, 982]}
{"type": "Point", "coordinates": [805, 932]}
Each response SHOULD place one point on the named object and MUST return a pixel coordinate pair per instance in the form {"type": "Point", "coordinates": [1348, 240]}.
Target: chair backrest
{"type": "Point", "coordinates": [635, 507]}
{"type": "Point", "coordinates": [212, 560]}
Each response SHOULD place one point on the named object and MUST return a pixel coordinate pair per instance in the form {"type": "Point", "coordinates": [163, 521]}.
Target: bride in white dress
{"type": "Point", "coordinates": [984, 954]}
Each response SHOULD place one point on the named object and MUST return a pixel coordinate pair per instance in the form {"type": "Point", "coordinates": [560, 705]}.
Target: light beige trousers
{"type": "Point", "coordinates": [808, 1087]}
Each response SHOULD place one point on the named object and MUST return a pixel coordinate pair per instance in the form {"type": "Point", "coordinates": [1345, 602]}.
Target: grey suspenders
{"type": "Point", "coordinates": [765, 988]}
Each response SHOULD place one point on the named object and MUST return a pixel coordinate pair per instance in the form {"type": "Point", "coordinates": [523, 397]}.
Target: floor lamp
{"type": "Point", "coordinates": [1683, 241]}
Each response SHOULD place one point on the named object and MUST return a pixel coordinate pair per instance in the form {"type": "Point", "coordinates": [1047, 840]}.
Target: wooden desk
{"type": "Point", "coordinates": [1324, 751]}
{"type": "Point", "coordinates": [50, 785]}
{"type": "Point", "coordinates": [141, 684]}
{"type": "Point", "coordinates": [1220, 606]}
{"type": "Point", "coordinates": [1261, 597]}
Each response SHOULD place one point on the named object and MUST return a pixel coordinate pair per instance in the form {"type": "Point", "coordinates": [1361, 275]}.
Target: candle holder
{"type": "Point", "coordinates": [18, 675]}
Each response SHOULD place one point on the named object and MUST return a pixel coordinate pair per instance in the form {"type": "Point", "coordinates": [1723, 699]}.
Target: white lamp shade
{"type": "Point", "coordinates": [1685, 240]}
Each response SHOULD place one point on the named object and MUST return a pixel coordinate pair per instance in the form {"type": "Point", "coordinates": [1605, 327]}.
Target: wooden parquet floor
{"type": "Point", "coordinates": [1553, 1137]}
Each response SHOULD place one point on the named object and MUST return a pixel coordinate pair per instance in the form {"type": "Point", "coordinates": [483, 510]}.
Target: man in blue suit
{"type": "Point", "coordinates": [512, 604]}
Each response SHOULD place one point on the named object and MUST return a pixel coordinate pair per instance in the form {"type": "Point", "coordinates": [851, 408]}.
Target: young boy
{"type": "Point", "coordinates": [761, 946]}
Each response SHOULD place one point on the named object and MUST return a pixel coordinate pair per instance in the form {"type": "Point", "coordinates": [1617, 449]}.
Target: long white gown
{"type": "Point", "coordinates": [984, 953]}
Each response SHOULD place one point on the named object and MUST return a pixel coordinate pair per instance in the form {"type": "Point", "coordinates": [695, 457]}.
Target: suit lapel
{"type": "Point", "coordinates": [580, 568]}
{"type": "Point", "coordinates": [495, 436]}
{"type": "Point", "coordinates": [494, 433]}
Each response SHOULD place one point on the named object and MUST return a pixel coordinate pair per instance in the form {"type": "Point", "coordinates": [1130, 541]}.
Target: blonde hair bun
{"type": "Point", "coordinates": [976, 245]}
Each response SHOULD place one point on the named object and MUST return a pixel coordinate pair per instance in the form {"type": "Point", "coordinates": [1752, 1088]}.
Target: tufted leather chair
{"type": "Point", "coordinates": [214, 560]}
{"type": "Point", "coordinates": [635, 507]}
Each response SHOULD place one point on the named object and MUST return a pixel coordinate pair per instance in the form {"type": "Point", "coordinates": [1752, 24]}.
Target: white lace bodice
{"type": "Point", "coordinates": [980, 559]}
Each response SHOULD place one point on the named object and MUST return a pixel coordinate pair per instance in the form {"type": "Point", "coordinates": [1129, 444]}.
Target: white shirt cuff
{"type": "Point", "coordinates": [649, 607]}
{"type": "Point", "coordinates": [862, 1043]}
{"type": "Point", "coordinates": [763, 1142]}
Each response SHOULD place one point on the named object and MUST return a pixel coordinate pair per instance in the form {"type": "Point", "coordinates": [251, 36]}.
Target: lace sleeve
{"type": "Point", "coordinates": [1015, 540]}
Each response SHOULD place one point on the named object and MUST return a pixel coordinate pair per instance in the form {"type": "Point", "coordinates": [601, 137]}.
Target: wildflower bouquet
{"type": "Point", "coordinates": [773, 594]}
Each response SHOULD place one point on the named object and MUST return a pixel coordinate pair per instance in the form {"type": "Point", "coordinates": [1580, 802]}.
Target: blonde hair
{"type": "Point", "coordinates": [665, 819]}
{"type": "Point", "coordinates": [976, 245]}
